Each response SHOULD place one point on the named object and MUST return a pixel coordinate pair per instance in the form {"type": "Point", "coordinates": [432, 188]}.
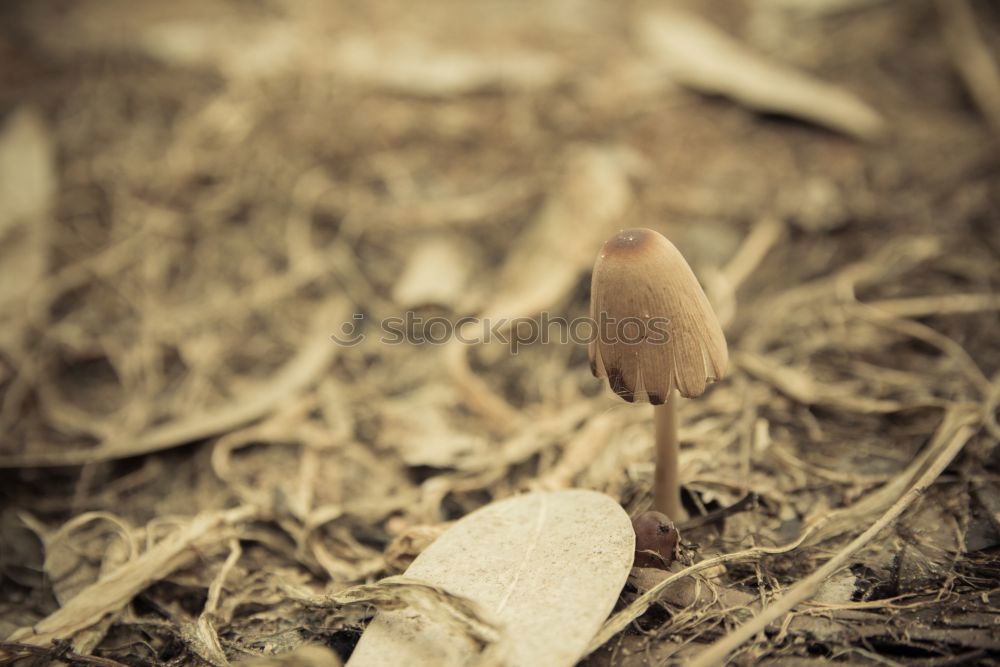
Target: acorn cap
{"type": "Point", "coordinates": [674, 339]}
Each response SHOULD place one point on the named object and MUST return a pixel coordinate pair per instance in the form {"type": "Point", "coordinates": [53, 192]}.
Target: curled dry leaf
{"type": "Point", "coordinates": [436, 273]}
{"type": "Point", "coordinates": [86, 548]}
{"type": "Point", "coordinates": [77, 554]}
{"type": "Point", "coordinates": [423, 436]}
{"type": "Point", "coordinates": [542, 565]}
{"type": "Point", "coordinates": [419, 426]}
{"type": "Point", "coordinates": [702, 57]}
{"type": "Point", "coordinates": [113, 591]}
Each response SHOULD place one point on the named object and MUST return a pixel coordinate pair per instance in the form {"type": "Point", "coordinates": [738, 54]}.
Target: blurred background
{"type": "Point", "coordinates": [195, 195]}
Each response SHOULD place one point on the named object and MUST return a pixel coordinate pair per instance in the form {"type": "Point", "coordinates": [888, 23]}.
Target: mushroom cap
{"type": "Point", "coordinates": [672, 338]}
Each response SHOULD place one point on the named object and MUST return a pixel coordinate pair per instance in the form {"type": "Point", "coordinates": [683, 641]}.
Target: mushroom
{"type": "Point", "coordinates": [656, 332]}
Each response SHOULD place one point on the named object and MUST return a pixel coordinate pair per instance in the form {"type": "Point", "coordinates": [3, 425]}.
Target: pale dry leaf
{"type": "Point", "coordinates": [416, 66]}
{"type": "Point", "coordinates": [113, 591]}
{"type": "Point", "coordinates": [77, 554]}
{"type": "Point", "coordinates": [803, 387]}
{"type": "Point", "coordinates": [310, 655]}
{"type": "Point", "coordinates": [27, 187]}
{"type": "Point", "coordinates": [543, 565]}
{"type": "Point", "coordinates": [436, 273]}
{"type": "Point", "coordinates": [589, 204]}
{"type": "Point", "coordinates": [838, 589]}
{"type": "Point", "coordinates": [545, 262]}
{"type": "Point", "coordinates": [581, 450]}
{"type": "Point", "coordinates": [27, 169]}
{"type": "Point", "coordinates": [973, 57]}
{"type": "Point", "coordinates": [421, 434]}
{"type": "Point", "coordinates": [252, 49]}
{"type": "Point", "coordinates": [700, 56]}
{"type": "Point", "coordinates": [89, 545]}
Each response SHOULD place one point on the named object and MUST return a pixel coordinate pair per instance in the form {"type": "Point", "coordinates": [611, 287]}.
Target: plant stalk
{"type": "Point", "coordinates": [666, 488]}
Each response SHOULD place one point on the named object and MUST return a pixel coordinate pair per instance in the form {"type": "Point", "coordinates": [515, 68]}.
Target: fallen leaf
{"type": "Point", "coordinates": [310, 655]}
{"type": "Point", "coordinates": [822, 7]}
{"type": "Point", "coordinates": [116, 589]}
{"type": "Point", "coordinates": [298, 373]}
{"type": "Point", "coordinates": [541, 565]}
{"type": "Point", "coordinates": [700, 56]}
{"type": "Point", "coordinates": [27, 187]}
{"type": "Point", "coordinates": [436, 273]}
{"type": "Point", "coordinates": [546, 261]}
{"type": "Point", "coordinates": [838, 589]}
{"type": "Point", "coordinates": [417, 427]}
{"type": "Point", "coordinates": [409, 544]}
{"type": "Point", "coordinates": [418, 67]}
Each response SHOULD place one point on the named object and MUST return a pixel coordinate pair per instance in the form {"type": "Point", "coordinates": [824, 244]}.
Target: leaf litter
{"type": "Point", "coordinates": [194, 473]}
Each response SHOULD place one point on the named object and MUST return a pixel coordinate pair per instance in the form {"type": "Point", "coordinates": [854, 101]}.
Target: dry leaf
{"type": "Point", "coordinates": [113, 591]}
{"type": "Point", "coordinates": [541, 565]}
{"type": "Point", "coordinates": [27, 186]}
{"type": "Point", "coordinates": [409, 544]}
{"type": "Point", "coordinates": [702, 57]}
{"type": "Point", "coordinates": [821, 7]}
{"type": "Point", "coordinates": [436, 273]}
{"type": "Point", "coordinates": [418, 428]}
{"type": "Point", "coordinates": [310, 655]}
{"type": "Point", "coordinates": [297, 374]}
{"type": "Point", "coordinates": [27, 170]}
{"type": "Point", "coordinates": [21, 550]}
{"type": "Point", "coordinates": [418, 67]}
{"type": "Point", "coordinates": [838, 589]}
{"type": "Point", "coordinates": [547, 260]}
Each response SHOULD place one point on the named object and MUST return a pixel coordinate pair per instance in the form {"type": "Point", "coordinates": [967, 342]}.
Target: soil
{"type": "Point", "coordinates": [199, 194]}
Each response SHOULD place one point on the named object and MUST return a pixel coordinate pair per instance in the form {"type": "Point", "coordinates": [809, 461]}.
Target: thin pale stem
{"type": "Point", "coordinates": [666, 488]}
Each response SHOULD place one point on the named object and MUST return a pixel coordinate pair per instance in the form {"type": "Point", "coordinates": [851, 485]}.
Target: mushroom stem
{"type": "Point", "coordinates": [666, 490]}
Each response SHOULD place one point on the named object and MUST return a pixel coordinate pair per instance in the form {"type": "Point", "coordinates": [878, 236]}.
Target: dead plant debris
{"type": "Point", "coordinates": [195, 196]}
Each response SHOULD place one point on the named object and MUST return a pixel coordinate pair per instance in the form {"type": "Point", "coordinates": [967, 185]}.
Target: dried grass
{"type": "Point", "coordinates": [224, 483]}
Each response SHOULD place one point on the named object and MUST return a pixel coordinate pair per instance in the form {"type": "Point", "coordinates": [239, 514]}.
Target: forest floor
{"type": "Point", "coordinates": [195, 195]}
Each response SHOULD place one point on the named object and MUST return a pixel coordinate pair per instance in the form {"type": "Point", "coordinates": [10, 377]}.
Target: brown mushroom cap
{"type": "Point", "coordinates": [640, 274]}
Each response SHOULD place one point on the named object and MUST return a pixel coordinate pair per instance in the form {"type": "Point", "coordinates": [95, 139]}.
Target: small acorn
{"type": "Point", "coordinates": [655, 540]}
